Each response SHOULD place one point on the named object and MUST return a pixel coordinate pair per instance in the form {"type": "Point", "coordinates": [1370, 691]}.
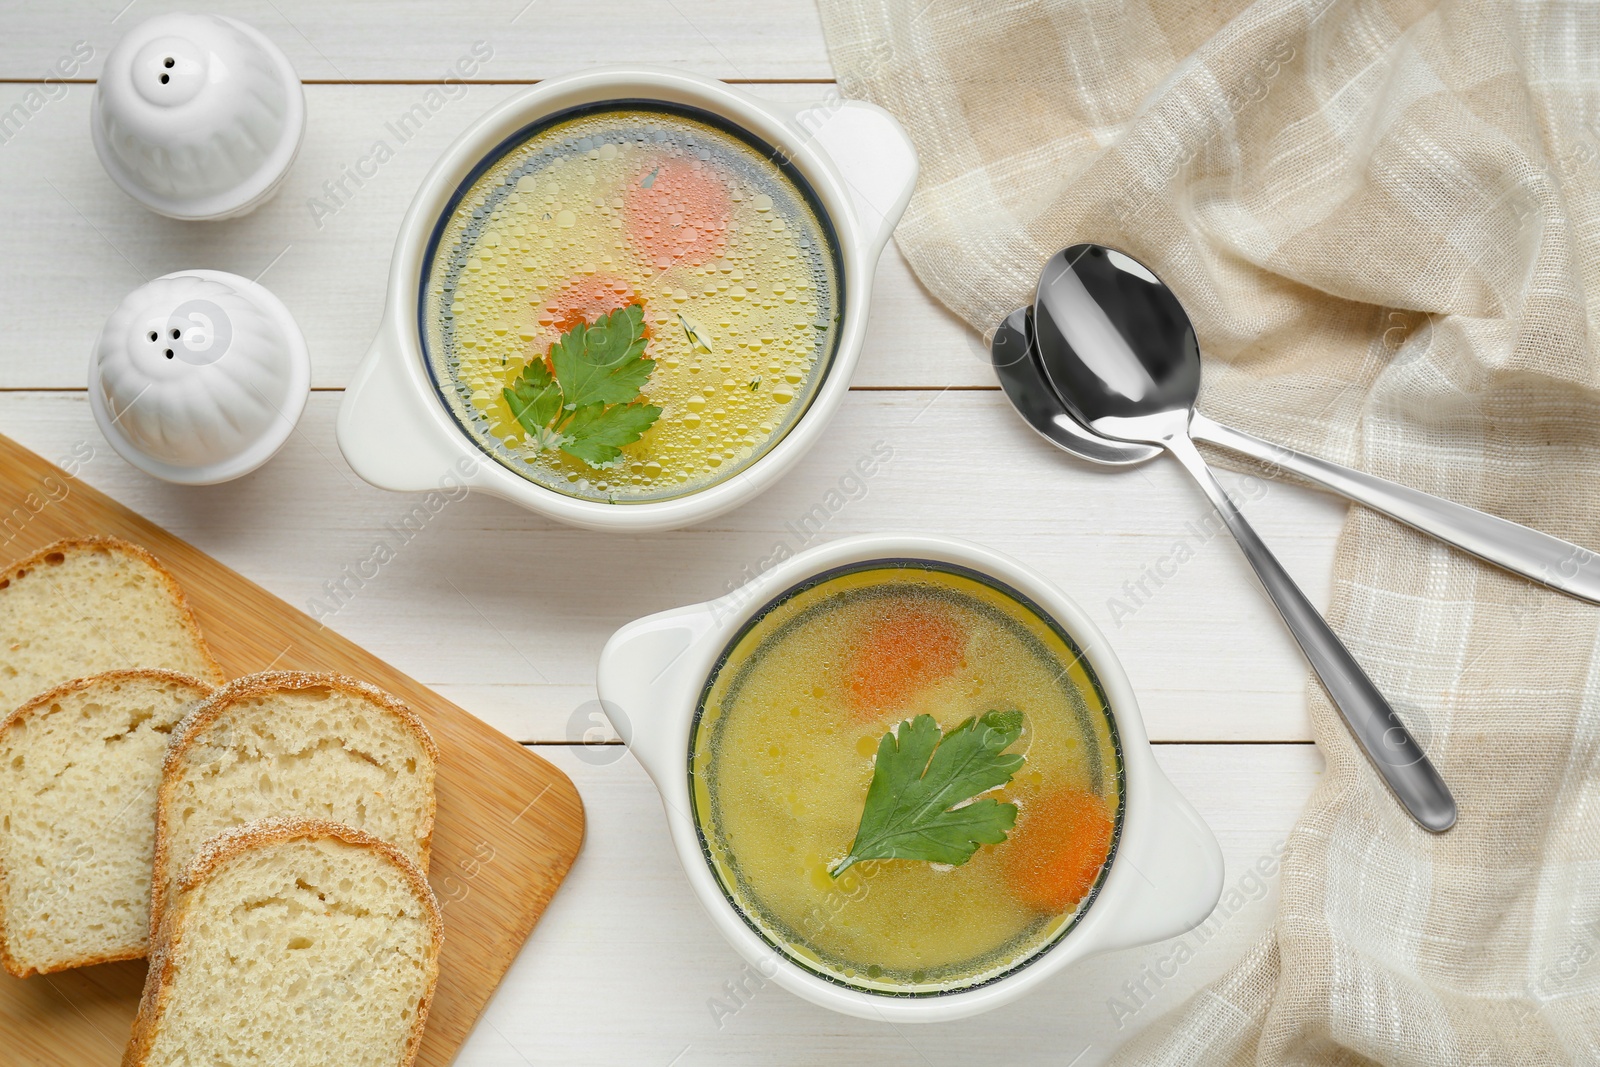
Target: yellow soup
{"type": "Point", "coordinates": [604, 209]}
{"type": "Point", "coordinates": [784, 748]}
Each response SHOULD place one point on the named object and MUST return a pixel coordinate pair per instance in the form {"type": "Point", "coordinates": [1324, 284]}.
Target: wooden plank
{"type": "Point", "coordinates": [412, 40]}
{"type": "Point", "coordinates": [76, 244]}
{"type": "Point", "coordinates": [626, 967]}
{"type": "Point", "coordinates": [506, 612]}
{"type": "Point", "coordinates": [508, 824]}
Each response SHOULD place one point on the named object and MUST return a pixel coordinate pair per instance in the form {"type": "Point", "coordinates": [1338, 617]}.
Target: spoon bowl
{"type": "Point", "coordinates": [1016, 364]}
{"type": "Point", "coordinates": [1113, 341]}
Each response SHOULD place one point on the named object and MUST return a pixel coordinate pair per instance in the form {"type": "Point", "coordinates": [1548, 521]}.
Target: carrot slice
{"type": "Point", "coordinates": [906, 646]}
{"type": "Point", "coordinates": [1056, 851]}
{"type": "Point", "coordinates": [585, 299]}
{"type": "Point", "coordinates": [677, 211]}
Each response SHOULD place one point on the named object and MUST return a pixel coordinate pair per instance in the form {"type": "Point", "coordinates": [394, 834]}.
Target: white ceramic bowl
{"type": "Point", "coordinates": [395, 429]}
{"type": "Point", "coordinates": [1165, 877]}
{"type": "Point", "coordinates": [198, 116]}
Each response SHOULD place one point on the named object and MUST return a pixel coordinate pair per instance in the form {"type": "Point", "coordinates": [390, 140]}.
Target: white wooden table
{"type": "Point", "coordinates": [505, 612]}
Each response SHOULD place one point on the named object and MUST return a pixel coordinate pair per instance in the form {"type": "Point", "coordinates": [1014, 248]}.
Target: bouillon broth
{"type": "Point", "coordinates": [591, 214]}
{"type": "Point", "coordinates": [785, 745]}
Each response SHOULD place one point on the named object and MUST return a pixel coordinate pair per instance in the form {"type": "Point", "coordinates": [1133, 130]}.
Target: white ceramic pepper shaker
{"type": "Point", "coordinates": [199, 377]}
{"type": "Point", "coordinates": [197, 116]}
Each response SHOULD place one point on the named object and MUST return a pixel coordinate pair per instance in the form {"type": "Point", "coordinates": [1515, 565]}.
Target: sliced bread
{"type": "Point", "coordinates": [79, 767]}
{"type": "Point", "coordinates": [294, 944]}
{"type": "Point", "coordinates": [88, 605]}
{"type": "Point", "coordinates": [293, 745]}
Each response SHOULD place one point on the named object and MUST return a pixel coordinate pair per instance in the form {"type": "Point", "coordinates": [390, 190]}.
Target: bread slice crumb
{"type": "Point", "coordinates": [297, 943]}
{"type": "Point", "coordinates": [92, 604]}
{"type": "Point", "coordinates": [290, 744]}
{"type": "Point", "coordinates": [79, 771]}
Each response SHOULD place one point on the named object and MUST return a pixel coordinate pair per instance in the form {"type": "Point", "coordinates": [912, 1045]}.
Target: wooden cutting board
{"type": "Point", "coordinates": [508, 825]}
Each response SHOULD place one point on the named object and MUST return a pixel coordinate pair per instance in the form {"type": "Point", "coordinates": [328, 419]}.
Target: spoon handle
{"type": "Point", "coordinates": [1559, 564]}
{"type": "Point", "coordinates": [1376, 727]}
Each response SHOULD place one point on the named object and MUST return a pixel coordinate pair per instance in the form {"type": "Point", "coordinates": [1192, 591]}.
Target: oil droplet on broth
{"type": "Point", "coordinates": [723, 250]}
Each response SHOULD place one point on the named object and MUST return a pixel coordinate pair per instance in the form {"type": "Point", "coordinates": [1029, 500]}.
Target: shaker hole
{"type": "Point", "coordinates": [169, 353]}
{"type": "Point", "coordinates": [152, 335]}
{"type": "Point", "coordinates": [168, 62]}
{"type": "Point", "coordinates": [176, 334]}
{"type": "Point", "coordinates": [165, 78]}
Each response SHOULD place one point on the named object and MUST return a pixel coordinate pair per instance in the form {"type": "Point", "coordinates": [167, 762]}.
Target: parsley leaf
{"type": "Point", "coordinates": [534, 397]}
{"type": "Point", "coordinates": [603, 363]}
{"type": "Point", "coordinates": [597, 433]}
{"type": "Point", "coordinates": [588, 407]}
{"type": "Point", "coordinates": [917, 805]}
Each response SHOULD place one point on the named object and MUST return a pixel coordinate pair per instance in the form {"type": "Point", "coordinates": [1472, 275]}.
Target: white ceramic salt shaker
{"type": "Point", "coordinates": [199, 377]}
{"type": "Point", "coordinates": [197, 116]}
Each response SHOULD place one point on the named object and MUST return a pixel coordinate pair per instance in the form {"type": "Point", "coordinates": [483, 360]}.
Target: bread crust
{"type": "Point", "coordinates": [50, 696]}
{"type": "Point", "coordinates": [127, 548]}
{"type": "Point", "coordinates": [13, 966]}
{"type": "Point", "coordinates": [253, 685]}
{"type": "Point", "coordinates": [168, 944]}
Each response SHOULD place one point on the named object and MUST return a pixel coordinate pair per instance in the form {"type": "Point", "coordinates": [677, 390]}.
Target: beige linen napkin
{"type": "Point", "coordinates": [1383, 219]}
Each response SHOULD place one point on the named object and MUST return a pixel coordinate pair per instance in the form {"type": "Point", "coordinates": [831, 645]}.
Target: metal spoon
{"type": "Point", "coordinates": [1119, 351]}
{"type": "Point", "coordinates": [1017, 367]}
{"type": "Point", "coordinates": [1550, 561]}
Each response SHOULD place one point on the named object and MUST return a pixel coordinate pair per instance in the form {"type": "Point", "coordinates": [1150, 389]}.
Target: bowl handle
{"type": "Point", "coordinates": [648, 680]}
{"type": "Point", "coordinates": [874, 156]}
{"type": "Point", "coordinates": [1175, 865]}
{"type": "Point", "coordinates": [389, 433]}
